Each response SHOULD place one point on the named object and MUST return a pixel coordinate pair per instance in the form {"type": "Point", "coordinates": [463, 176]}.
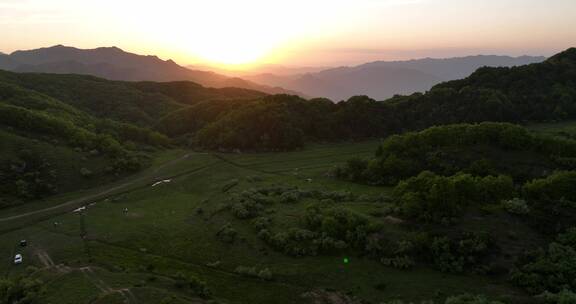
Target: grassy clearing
{"type": "Point", "coordinates": [162, 235]}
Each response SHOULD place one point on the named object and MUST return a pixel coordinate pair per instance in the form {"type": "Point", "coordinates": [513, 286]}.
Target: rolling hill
{"type": "Point", "coordinates": [523, 94]}
{"type": "Point", "coordinates": [62, 133]}
{"type": "Point", "coordinates": [121, 119]}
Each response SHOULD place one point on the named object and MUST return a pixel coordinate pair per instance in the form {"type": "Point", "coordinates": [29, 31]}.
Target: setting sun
{"type": "Point", "coordinates": [244, 32]}
{"type": "Point", "coordinates": [224, 54]}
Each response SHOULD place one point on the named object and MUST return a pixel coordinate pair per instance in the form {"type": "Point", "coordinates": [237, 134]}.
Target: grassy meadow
{"type": "Point", "coordinates": [132, 242]}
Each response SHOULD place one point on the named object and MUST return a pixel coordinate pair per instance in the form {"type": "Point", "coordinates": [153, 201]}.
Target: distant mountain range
{"type": "Point", "coordinates": [383, 79]}
{"type": "Point", "coordinates": [379, 80]}
{"type": "Point", "coordinates": [116, 64]}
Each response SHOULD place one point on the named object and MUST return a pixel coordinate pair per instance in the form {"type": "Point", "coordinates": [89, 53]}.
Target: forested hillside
{"type": "Point", "coordinates": [450, 176]}
{"type": "Point", "coordinates": [480, 149]}
{"type": "Point", "coordinates": [67, 132]}
{"type": "Point", "coordinates": [119, 119]}
{"type": "Point", "coordinates": [532, 93]}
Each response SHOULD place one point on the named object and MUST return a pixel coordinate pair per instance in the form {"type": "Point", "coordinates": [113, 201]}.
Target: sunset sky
{"type": "Point", "coordinates": [293, 32]}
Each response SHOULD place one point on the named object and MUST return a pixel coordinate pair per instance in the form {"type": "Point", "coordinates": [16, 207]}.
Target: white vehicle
{"type": "Point", "coordinates": [161, 182]}
{"type": "Point", "coordinates": [79, 209]}
{"type": "Point", "coordinates": [18, 259]}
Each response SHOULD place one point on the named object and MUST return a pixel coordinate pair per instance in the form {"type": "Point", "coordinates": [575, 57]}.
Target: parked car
{"type": "Point", "coordinates": [18, 259]}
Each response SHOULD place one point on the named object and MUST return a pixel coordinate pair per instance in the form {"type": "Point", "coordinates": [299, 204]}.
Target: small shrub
{"type": "Point", "coordinates": [380, 286]}
{"type": "Point", "coordinates": [470, 299]}
{"type": "Point", "coordinates": [290, 197]}
{"type": "Point", "coordinates": [214, 264]}
{"type": "Point", "coordinates": [86, 172]}
{"type": "Point", "coordinates": [229, 185]}
{"type": "Point", "coordinates": [400, 262]}
{"type": "Point", "coordinates": [227, 234]}
{"type": "Point", "coordinates": [261, 223]}
{"type": "Point", "coordinates": [265, 274]}
{"type": "Point", "coordinates": [563, 297]}
{"type": "Point", "coordinates": [516, 206]}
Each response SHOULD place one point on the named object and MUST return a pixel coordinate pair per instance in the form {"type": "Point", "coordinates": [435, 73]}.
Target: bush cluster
{"type": "Point", "coordinates": [435, 198]}
{"type": "Point", "coordinates": [263, 274]}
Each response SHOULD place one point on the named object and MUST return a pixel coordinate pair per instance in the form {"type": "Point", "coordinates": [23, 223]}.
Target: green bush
{"type": "Point", "coordinates": [560, 185]}
{"type": "Point", "coordinates": [516, 206]}
{"type": "Point", "coordinates": [227, 234]}
{"type": "Point", "coordinates": [552, 269]}
{"type": "Point", "coordinates": [21, 290]}
{"type": "Point", "coordinates": [430, 197]}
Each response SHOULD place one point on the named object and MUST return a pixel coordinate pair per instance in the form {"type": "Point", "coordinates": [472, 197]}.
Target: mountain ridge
{"type": "Point", "coordinates": [339, 83]}
{"type": "Point", "coordinates": [116, 64]}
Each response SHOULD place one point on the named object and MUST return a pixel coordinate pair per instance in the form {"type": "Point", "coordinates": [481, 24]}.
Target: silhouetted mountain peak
{"type": "Point", "coordinates": [116, 64]}
{"type": "Point", "coordinates": [109, 49]}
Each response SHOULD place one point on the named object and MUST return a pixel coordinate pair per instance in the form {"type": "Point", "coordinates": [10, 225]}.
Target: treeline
{"type": "Point", "coordinates": [537, 92]}
{"type": "Point", "coordinates": [95, 96]}
{"type": "Point", "coordinates": [231, 119]}
{"type": "Point", "coordinates": [35, 113]}
{"type": "Point", "coordinates": [283, 122]}
{"type": "Point", "coordinates": [479, 149]}
{"type": "Point", "coordinates": [138, 103]}
{"type": "Point", "coordinates": [104, 135]}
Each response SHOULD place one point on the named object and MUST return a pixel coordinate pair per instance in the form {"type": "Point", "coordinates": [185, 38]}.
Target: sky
{"type": "Point", "coordinates": [242, 33]}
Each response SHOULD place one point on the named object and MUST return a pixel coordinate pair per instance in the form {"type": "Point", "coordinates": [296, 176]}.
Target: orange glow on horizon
{"type": "Point", "coordinates": [242, 34]}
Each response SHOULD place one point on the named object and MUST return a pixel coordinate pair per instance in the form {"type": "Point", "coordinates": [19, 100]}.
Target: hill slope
{"type": "Point", "coordinates": [536, 92]}
{"type": "Point", "coordinates": [531, 93]}
{"type": "Point", "coordinates": [61, 133]}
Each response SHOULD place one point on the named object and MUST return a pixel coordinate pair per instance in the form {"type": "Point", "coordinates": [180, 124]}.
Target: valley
{"type": "Point", "coordinates": [173, 192]}
{"type": "Point", "coordinates": [163, 235]}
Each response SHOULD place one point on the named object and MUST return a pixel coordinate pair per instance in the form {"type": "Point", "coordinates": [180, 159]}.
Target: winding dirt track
{"type": "Point", "coordinates": [150, 176]}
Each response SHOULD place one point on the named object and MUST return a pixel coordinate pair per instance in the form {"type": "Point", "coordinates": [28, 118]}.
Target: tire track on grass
{"type": "Point", "coordinates": [93, 198]}
{"type": "Point", "coordinates": [104, 288]}
{"type": "Point", "coordinates": [96, 195]}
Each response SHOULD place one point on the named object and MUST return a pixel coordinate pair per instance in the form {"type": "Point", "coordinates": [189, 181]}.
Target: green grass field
{"type": "Point", "coordinates": [136, 255]}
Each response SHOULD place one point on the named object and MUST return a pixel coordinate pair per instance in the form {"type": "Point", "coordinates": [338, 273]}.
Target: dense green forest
{"type": "Point", "coordinates": [67, 132]}
{"type": "Point", "coordinates": [444, 176]}
{"type": "Point", "coordinates": [537, 92]}
{"type": "Point", "coordinates": [118, 119]}
{"type": "Point", "coordinates": [480, 149]}
{"type": "Point", "coordinates": [248, 120]}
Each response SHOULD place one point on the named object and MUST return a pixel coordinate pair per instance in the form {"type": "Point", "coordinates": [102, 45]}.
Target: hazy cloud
{"type": "Point", "coordinates": [22, 12]}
